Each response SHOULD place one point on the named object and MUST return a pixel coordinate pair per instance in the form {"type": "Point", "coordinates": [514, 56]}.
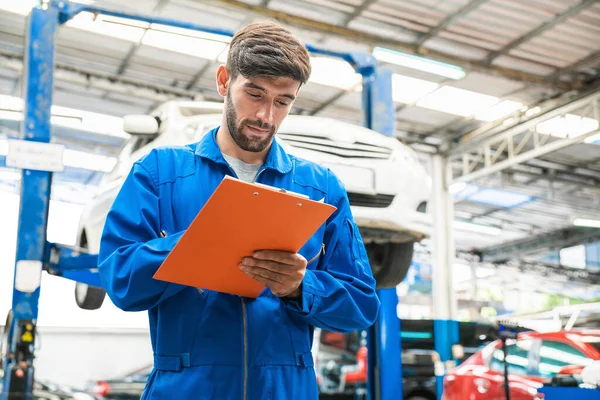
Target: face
{"type": "Point", "coordinates": [255, 108]}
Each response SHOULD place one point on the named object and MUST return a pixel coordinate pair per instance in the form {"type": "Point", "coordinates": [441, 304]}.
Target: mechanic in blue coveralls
{"type": "Point", "coordinates": [210, 345]}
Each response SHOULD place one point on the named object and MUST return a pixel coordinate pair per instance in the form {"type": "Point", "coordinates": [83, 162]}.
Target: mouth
{"type": "Point", "coordinates": [258, 130]}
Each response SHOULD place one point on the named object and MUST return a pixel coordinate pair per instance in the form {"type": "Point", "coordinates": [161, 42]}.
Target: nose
{"type": "Point", "coordinates": [265, 113]}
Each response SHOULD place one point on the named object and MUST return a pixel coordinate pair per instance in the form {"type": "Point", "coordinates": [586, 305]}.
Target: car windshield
{"type": "Point", "coordinates": [593, 340]}
{"type": "Point", "coordinates": [596, 345]}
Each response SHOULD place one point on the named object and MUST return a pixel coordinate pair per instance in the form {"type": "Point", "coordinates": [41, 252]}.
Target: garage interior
{"type": "Point", "coordinates": [498, 99]}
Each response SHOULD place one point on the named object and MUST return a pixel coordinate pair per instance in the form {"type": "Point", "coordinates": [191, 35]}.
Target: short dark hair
{"type": "Point", "coordinates": [268, 49]}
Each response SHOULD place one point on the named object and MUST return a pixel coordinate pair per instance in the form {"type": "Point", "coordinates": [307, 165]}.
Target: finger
{"type": "Point", "coordinates": [265, 264]}
{"type": "Point", "coordinates": [274, 286]}
{"type": "Point", "coordinates": [266, 273]}
{"type": "Point", "coordinates": [282, 257]}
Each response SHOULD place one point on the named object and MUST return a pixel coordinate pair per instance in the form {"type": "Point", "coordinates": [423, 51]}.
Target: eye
{"type": "Point", "coordinates": [282, 103]}
{"type": "Point", "coordinates": [253, 95]}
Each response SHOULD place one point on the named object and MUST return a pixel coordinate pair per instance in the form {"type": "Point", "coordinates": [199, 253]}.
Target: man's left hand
{"type": "Point", "coordinates": [280, 271]}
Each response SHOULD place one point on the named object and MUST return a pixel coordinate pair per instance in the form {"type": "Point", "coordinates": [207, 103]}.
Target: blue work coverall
{"type": "Point", "coordinates": [216, 346]}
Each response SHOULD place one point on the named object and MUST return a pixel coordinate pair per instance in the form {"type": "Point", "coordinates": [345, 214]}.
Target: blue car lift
{"type": "Point", "coordinates": [34, 254]}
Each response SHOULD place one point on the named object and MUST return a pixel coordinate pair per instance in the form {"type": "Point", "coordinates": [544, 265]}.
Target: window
{"type": "Point", "coordinates": [573, 257]}
{"type": "Point", "coordinates": [556, 355]}
{"type": "Point", "coordinates": [517, 358]}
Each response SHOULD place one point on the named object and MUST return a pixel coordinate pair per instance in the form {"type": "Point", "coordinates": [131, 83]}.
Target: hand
{"type": "Point", "coordinates": [280, 271]}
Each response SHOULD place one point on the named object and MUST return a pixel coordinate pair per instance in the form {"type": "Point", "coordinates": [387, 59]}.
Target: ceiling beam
{"type": "Point", "coordinates": [540, 29]}
{"type": "Point", "coordinates": [134, 48]}
{"type": "Point", "coordinates": [100, 80]}
{"type": "Point", "coordinates": [450, 19]}
{"type": "Point", "coordinates": [197, 76]}
{"type": "Point", "coordinates": [583, 63]}
{"type": "Point", "coordinates": [357, 11]}
{"type": "Point", "coordinates": [549, 270]}
{"type": "Point", "coordinates": [375, 40]}
{"type": "Point", "coordinates": [554, 240]}
{"type": "Point", "coordinates": [328, 102]}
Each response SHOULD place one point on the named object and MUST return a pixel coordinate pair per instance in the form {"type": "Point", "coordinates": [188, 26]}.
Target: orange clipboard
{"type": "Point", "coordinates": [238, 219]}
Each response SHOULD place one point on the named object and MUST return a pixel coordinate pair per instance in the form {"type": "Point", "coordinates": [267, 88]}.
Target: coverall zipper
{"type": "Point", "coordinates": [321, 251]}
{"type": "Point", "coordinates": [245, 321]}
{"type": "Point", "coordinates": [245, 317]}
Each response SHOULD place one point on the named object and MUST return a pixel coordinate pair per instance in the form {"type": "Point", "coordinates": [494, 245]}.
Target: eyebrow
{"type": "Point", "coordinates": [257, 87]}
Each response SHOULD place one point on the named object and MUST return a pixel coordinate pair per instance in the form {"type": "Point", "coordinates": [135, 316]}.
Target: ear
{"type": "Point", "coordinates": [222, 80]}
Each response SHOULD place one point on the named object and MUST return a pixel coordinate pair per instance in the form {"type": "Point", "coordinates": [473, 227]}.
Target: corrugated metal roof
{"type": "Point", "coordinates": [503, 46]}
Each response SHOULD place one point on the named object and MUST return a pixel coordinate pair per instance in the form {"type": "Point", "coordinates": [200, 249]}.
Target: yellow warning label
{"type": "Point", "coordinates": [27, 337]}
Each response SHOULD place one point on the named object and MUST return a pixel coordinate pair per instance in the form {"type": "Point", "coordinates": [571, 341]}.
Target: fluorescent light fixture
{"type": "Point", "coordinates": [193, 46]}
{"type": "Point", "coordinates": [469, 226]}
{"type": "Point", "coordinates": [533, 111]}
{"type": "Point", "coordinates": [11, 115]}
{"type": "Point", "coordinates": [573, 256]}
{"type": "Point", "coordinates": [568, 126]}
{"type": "Point", "coordinates": [456, 101]}
{"type": "Point", "coordinates": [11, 108]}
{"type": "Point", "coordinates": [191, 33]}
{"type": "Point", "coordinates": [499, 110]}
{"type": "Point", "coordinates": [186, 41]}
{"type": "Point", "coordinates": [464, 192]}
{"type": "Point", "coordinates": [88, 121]}
{"type": "Point", "coordinates": [22, 7]}
{"type": "Point", "coordinates": [408, 90]}
{"type": "Point", "coordinates": [333, 72]}
{"type": "Point", "coordinates": [457, 187]}
{"type": "Point", "coordinates": [588, 223]}
{"type": "Point", "coordinates": [499, 198]}
{"type": "Point", "coordinates": [418, 63]}
{"type": "Point", "coordinates": [3, 147]}
{"type": "Point", "coordinates": [89, 161]}
{"type": "Point", "coordinates": [65, 120]}
{"type": "Point", "coordinates": [109, 26]}
{"type": "Point", "coordinates": [11, 103]}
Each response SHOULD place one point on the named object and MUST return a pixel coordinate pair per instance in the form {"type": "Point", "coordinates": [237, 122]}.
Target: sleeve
{"type": "Point", "coordinates": [340, 295]}
{"type": "Point", "coordinates": [131, 248]}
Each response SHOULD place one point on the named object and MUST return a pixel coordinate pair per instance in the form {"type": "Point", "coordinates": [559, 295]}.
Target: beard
{"type": "Point", "coordinates": [247, 142]}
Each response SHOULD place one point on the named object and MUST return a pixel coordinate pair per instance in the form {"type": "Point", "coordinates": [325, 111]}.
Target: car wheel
{"type": "Point", "coordinates": [88, 297]}
{"type": "Point", "coordinates": [390, 262]}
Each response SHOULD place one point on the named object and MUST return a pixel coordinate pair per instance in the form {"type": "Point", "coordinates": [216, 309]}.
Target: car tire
{"type": "Point", "coordinates": [89, 297]}
{"type": "Point", "coordinates": [390, 262]}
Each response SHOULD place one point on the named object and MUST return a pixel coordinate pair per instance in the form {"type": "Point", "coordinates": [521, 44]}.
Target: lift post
{"type": "Point", "coordinates": [385, 356]}
{"type": "Point", "coordinates": [34, 204]}
{"type": "Point", "coordinates": [34, 254]}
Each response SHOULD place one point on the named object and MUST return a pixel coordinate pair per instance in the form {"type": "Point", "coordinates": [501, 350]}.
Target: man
{"type": "Point", "coordinates": [210, 345]}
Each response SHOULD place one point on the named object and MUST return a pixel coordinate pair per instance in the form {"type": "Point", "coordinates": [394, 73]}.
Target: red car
{"type": "Point", "coordinates": [533, 359]}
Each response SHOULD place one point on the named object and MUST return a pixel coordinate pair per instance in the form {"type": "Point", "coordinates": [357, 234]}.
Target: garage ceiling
{"type": "Point", "coordinates": [502, 58]}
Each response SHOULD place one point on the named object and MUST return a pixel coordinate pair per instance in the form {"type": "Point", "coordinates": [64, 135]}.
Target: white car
{"type": "Point", "coordinates": [387, 186]}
